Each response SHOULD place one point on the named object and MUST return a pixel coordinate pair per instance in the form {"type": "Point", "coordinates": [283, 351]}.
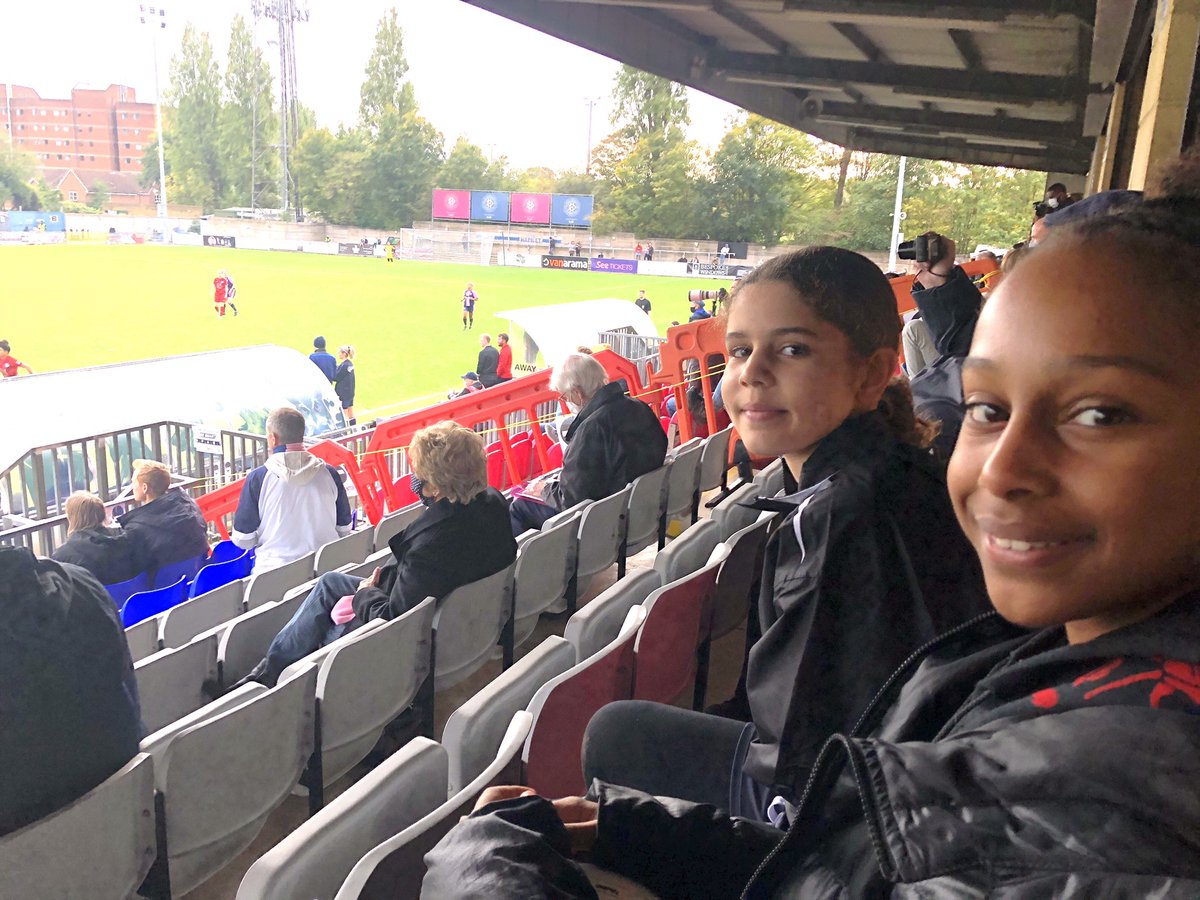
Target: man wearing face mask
{"type": "Point", "coordinates": [613, 440]}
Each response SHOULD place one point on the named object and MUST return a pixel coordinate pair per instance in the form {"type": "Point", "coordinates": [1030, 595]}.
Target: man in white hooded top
{"type": "Point", "coordinates": [294, 503]}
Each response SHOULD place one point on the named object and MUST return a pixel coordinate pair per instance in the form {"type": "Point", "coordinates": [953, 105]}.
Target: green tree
{"type": "Point", "coordinates": [652, 190]}
{"type": "Point", "coordinates": [401, 164]}
{"type": "Point", "coordinates": [646, 105]}
{"type": "Point", "coordinates": [334, 170]}
{"type": "Point", "coordinates": [200, 170]}
{"type": "Point", "coordinates": [384, 89]}
{"type": "Point", "coordinates": [100, 195]}
{"type": "Point", "coordinates": [17, 176]}
{"type": "Point", "coordinates": [249, 124]}
{"type": "Point", "coordinates": [464, 168]}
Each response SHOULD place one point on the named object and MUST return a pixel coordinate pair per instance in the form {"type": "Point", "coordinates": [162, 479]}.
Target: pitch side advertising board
{"type": "Point", "coordinates": [572, 263]}
{"type": "Point", "coordinates": [571, 210]}
{"type": "Point", "coordinates": [220, 240]}
{"type": "Point", "coordinates": [624, 266]}
{"type": "Point", "coordinates": [451, 204]}
{"type": "Point", "coordinates": [489, 206]}
{"type": "Point", "coordinates": [530, 209]}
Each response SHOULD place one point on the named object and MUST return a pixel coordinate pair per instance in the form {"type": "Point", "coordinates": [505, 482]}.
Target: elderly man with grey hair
{"type": "Point", "coordinates": [613, 440]}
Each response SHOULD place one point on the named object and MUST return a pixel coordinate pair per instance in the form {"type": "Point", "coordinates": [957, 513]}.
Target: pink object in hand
{"type": "Point", "coordinates": [343, 610]}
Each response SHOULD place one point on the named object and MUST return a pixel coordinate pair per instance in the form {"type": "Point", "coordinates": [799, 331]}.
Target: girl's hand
{"type": "Point", "coordinates": [373, 581]}
{"type": "Point", "coordinates": [582, 821]}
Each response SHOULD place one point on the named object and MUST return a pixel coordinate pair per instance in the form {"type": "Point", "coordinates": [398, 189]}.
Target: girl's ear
{"type": "Point", "coordinates": [877, 371]}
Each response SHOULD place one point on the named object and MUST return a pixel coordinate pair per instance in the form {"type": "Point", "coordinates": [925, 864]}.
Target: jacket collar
{"type": "Point", "coordinates": [439, 512]}
{"type": "Point", "coordinates": [862, 440]}
{"type": "Point", "coordinates": [610, 393]}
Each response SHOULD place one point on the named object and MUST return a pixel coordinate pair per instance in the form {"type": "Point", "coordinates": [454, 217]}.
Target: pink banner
{"type": "Point", "coordinates": [530, 209]}
{"type": "Point", "coordinates": [451, 204]}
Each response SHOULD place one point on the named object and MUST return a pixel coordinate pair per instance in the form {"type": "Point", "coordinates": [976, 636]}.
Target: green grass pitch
{"type": "Point", "coordinates": [79, 304]}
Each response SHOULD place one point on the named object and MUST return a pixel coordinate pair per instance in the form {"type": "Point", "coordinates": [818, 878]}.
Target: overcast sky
{"type": "Point", "coordinates": [510, 89]}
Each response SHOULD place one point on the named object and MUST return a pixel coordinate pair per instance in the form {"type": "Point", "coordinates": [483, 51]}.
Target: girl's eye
{"type": "Point", "coordinates": [1102, 416]}
{"type": "Point", "coordinates": [795, 350]}
{"type": "Point", "coordinates": [738, 352]}
{"type": "Point", "coordinates": [983, 413]}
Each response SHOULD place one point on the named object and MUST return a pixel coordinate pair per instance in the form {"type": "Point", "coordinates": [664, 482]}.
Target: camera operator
{"type": "Point", "coordinates": [949, 304]}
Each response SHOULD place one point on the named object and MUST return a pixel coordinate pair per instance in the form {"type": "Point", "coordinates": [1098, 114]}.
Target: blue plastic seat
{"type": "Point", "coordinates": [186, 569]}
{"type": "Point", "coordinates": [145, 604]}
{"type": "Point", "coordinates": [123, 590]}
{"type": "Point", "coordinates": [218, 574]}
{"type": "Point", "coordinates": [225, 551]}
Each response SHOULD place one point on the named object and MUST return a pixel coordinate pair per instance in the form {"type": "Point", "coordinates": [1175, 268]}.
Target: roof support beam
{"type": "Point", "coordinates": [965, 11]}
{"type": "Point", "coordinates": [965, 44]}
{"type": "Point", "coordinates": [998, 127]}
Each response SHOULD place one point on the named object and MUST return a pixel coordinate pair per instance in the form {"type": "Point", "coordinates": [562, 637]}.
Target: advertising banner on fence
{"type": "Point", "coordinates": [219, 240]}
{"type": "Point", "coordinates": [451, 204]}
{"type": "Point", "coordinates": [717, 271]}
{"type": "Point", "coordinates": [489, 206]}
{"type": "Point", "coordinates": [573, 210]}
{"type": "Point", "coordinates": [575, 263]}
{"type": "Point", "coordinates": [531, 209]}
{"type": "Point", "coordinates": [28, 221]}
{"type": "Point", "coordinates": [356, 249]}
{"type": "Point", "coordinates": [625, 266]}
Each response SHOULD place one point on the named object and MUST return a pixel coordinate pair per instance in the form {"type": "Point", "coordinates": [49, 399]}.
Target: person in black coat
{"type": "Point", "coordinates": [489, 361]}
{"type": "Point", "coordinates": [70, 716]}
{"type": "Point", "coordinates": [106, 553]}
{"type": "Point", "coordinates": [613, 440]}
{"type": "Point", "coordinates": [462, 537]}
{"type": "Point", "coordinates": [168, 527]}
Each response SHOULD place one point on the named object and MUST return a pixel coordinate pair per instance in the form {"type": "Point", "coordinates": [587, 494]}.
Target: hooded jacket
{"type": "Point", "coordinates": [167, 530]}
{"type": "Point", "coordinates": [69, 714]}
{"type": "Point", "coordinates": [612, 441]}
{"type": "Point", "coordinates": [105, 552]}
{"type": "Point", "coordinates": [994, 764]}
{"type": "Point", "coordinates": [289, 507]}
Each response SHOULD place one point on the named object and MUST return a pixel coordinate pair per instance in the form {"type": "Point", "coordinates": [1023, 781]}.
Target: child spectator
{"type": "Point", "coordinates": [105, 552]}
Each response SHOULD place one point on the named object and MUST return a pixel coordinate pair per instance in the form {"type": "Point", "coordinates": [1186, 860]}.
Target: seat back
{"type": "Point", "coordinates": [314, 860]}
{"type": "Point", "coordinates": [563, 707]}
{"type": "Point", "coordinates": [249, 636]}
{"type": "Point", "coordinates": [601, 531]}
{"type": "Point", "coordinates": [171, 682]}
{"type": "Point", "coordinates": [395, 868]}
{"type": "Point", "coordinates": [714, 460]}
{"type": "Point", "coordinates": [223, 551]}
{"type": "Point", "coordinates": [145, 604]}
{"type": "Point", "coordinates": [735, 579]}
{"type": "Point", "coordinates": [647, 499]}
{"type": "Point", "coordinates": [348, 550]}
{"type": "Point", "coordinates": [554, 456]}
{"type": "Point", "coordinates": [100, 845]}
{"type": "Point", "coordinates": [770, 479]}
{"type": "Point", "coordinates": [497, 471]}
{"type": "Point", "coordinates": [183, 622]}
{"type": "Point", "coordinates": [171, 573]}
{"type": "Point", "coordinates": [469, 623]}
{"type": "Point", "coordinates": [123, 590]}
{"type": "Point", "coordinates": [544, 567]}
{"type": "Point", "coordinates": [390, 526]}
{"type": "Point", "coordinates": [365, 683]}
{"type": "Point", "coordinates": [566, 514]}
{"type": "Point", "coordinates": [476, 729]}
{"type": "Point", "coordinates": [599, 622]}
{"type": "Point", "coordinates": [677, 616]}
{"type": "Point", "coordinates": [272, 584]}
{"type": "Point", "coordinates": [376, 560]}
{"type": "Point", "coordinates": [731, 515]}
{"type": "Point", "coordinates": [142, 639]}
{"type": "Point", "coordinates": [688, 552]}
{"type": "Point", "coordinates": [219, 574]}
{"type": "Point", "coordinates": [223, 776]}
{"type": "Point", "coordinates": [683, 479]}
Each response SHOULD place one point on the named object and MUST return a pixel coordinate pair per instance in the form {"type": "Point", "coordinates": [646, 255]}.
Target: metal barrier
{"type": "Point", "coordinates": [641, 350]}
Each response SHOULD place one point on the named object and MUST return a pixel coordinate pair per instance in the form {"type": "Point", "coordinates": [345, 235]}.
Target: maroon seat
{"type": "Point", "coordinates": [554, 456]}
{"type": "Point", "coordinates": [497, 474]}
{"type": "Point", "coordinates": [563, 706]}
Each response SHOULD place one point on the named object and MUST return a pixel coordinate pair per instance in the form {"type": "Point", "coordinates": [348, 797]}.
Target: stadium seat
{"type": "Point", "coordinates": [675, 635]}
{"type": "Point", "coordinates": [554, 455]}
{"type": "Point", "coordinates": [193, 617]}
{"type": "Point", "coordinates": [142, 639]}
{"type": "Point", "coordinates": [222, 776]}
{"type": "Point", "coordinates": [522, 450]}
{"type": "Point", "coordinates": [714, 461]}
{"type": "Point", "coordinates": [601, 533]}
{"type": "Point", "coordinates": [378, 559]}
{"type": "Point", "coordinates": [544, 569]}
{"type": "Point", "coordinates": [566, 514]}
{"type": "Point", "coordinates": [683, 493]}
{"type": "Point", "coordinates": [470, 621]}
{"type": "Point", "coordinates": [497, 472]}
{"type": "Point", "coordinates": [314, 860]}
{"type": "Point", "coordinates": [390, 526]}
{"type": "Point", "coordinates": [476, 729]}
{"type": "Point", "coordinates": [562, 708]}
{"type": "Point", "coordinates": [599, 622]}
{"type": "Point", "coordinates": [272, 584]}
{"type": "Point", "coordinates": [351, 549]}
{"type": "Point", "coordinates": [365, 681]}
{"type": "Point", "coordinates": [171, 683]}
{"type": "Point", "coordinates": [100, 845]}
{"type": "Point", "coordinates": [645, 522]}
{"type": "Point", "coordinates": [688, 552]}
{"type": "Point", "coordinates": [219, 574]}
{"type": "Point", "coordinates": [770, 479]}
{"type": "Point", "coordinates": [394, 869]}
{"type": "Point", "coordinates": [123, 590]}
{"type": "Point", "coordinates": [731, 515]}
{"type": "Point", "coordinates": [186, 569]}
{"type": "Point", "coordinates": [223, 551]}
{"type": "Point", "coordinates": [249, 636]}
{"type": "Point", "coordinates": [145, 604]}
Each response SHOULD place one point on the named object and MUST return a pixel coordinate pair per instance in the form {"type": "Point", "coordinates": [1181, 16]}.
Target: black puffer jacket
{"type": "Point", "coordinates": [1008, 765]}
{"type": "Point", "coordinates": [167, 530]}
{"type": "Point", "coordinates": [612, 441]}
{"type": "Point", "coordinates": [106, 553]}
{"type": "Point", "coordinates": [869, 565]}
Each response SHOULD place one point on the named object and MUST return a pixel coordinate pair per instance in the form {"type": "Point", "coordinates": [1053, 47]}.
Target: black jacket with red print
{"type": "Point", "coordinates": [996, 763]}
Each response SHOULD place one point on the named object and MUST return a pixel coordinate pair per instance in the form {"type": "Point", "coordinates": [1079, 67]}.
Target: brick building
{"type": "Point", "coordinates": [93, 131]}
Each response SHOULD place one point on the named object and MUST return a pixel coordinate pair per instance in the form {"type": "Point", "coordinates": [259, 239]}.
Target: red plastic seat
{"type": "Point", "coordinates": [554, 456]}
{"type": "Point", "coordinates": [497, 474]}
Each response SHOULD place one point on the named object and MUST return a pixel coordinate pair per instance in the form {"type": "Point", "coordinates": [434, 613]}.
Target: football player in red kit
{"type": "Point", "coordinates": [223, 293]}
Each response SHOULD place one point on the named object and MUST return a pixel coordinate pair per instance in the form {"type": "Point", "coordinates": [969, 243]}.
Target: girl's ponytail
{"type": "Point", "coordinates": [896, 406]}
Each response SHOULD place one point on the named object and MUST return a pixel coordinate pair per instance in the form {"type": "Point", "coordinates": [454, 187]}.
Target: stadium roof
{"type": "Point", "coordinates": [1023, 83]}
{"type": "Point", "coordinates": [557, 331]}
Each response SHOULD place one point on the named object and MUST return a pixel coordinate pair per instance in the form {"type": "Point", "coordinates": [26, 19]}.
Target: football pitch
{"type": "Point", "coordinates": [79, 304]}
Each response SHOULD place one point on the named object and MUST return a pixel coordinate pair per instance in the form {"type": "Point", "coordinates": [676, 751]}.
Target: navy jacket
{"type": "Point", "coordinates": [105, 552]}
{"type": "Point", "coordinates": [167, 530]}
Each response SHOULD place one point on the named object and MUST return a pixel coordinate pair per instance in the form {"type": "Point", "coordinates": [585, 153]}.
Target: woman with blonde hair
{"type": "Point", "coordinates": [343, 381]}
{"type": "Point", "coordinates": [462, 536]}
{"type": "Point", "coordinates": [105, 552]}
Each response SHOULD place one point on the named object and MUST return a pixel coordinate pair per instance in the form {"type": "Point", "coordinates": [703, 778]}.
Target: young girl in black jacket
{"type": "Point", "coordinates": [996, 761]}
